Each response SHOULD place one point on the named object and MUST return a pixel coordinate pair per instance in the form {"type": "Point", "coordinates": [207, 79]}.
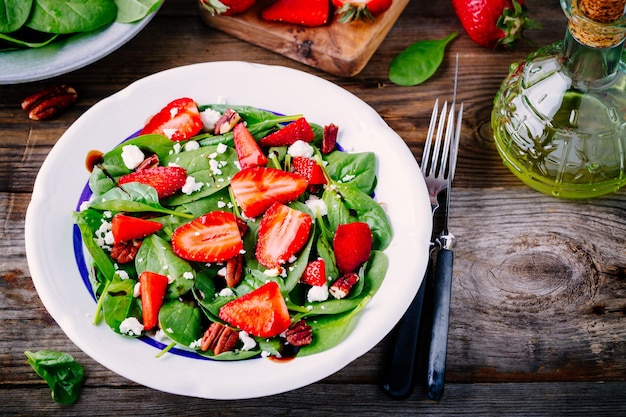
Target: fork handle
{"type": "Point", "coordinates": [441, 318]}
{"type": "Point", "coordinates": [399, 381]}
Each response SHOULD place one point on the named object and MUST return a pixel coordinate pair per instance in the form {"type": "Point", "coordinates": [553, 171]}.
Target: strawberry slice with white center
{"type": "Point", "coordinates": [297, 130]}
{"type": "Point", "coordinates": [283, 231]}
{"type": "Point", "coordinates": [213, 237]}
{"type": "Point", "coordinates": [309, 169]}
{"type": "Point", "coordinates": [314, 273]}
{"type": "Point", "coordinates": [257, 188]}
{"type": "Point", "coordinates": [248, 151]}
{"type": "Point", "coordinates": [262, 312]}
{"type": "Point", "coordinates": [179, 120]}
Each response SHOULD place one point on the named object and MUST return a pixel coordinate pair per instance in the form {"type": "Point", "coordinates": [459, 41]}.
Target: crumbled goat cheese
{"type": "Point", "coordinates": [209, 117]}
{"type": "Point", "coordinates": [131, 327]}
{"type": "Point", "coordinates": [300, 148]}
{"type": "Point", "coordinates": [195, 344]}
{"type": "Point", "coordinates": [226, 292]}
{"type": "Point", "coordinates": [192, 145]}
{"type": "Point", "coordinates": [188, 275]}
{"type": "Point", "coordinates": [132, 156]}
{"type": "Point", "coordinates": [248, 342]}
{"type": "Point", "coordinates": [191, 186]}
{"type": "Point", "coordinates": [348, 177]}
{"type": "Point", "coordinates": [317, 205]}
{"type": "Point", "coordinates": [221, 148]}
{"type": "Point", "coordinates": [317, 293]}
{"type": "Point", "coordinates": [122, 274]}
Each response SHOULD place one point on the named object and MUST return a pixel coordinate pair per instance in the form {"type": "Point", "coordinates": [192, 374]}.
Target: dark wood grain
{"type": "Point", "coordinates": [537, 324]}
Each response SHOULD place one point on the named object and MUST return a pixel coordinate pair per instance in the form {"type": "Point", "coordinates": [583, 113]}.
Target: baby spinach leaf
{"type": "Point", "coordinates": [70, 16]}
{"type": "Point", "coordinates": [13, 14]}
{"type": "Point", "coordinates": [181, 321]}
{"type": "Point", "coordinates": [133, 197]}
{"type": "Point", "coordinates": [99, 182]}
{"type": "Point", "coordinates": [113, 163]}
{"type": "Point", "coordinates": [237, 355]}
{"type": "Point", "coordinates": [129, 11]}
{"type": "Point", "coordinates": [62, 373]}
{"type": "Point", "coordinates": [418, 62]}
{"type": "Point", "coordinates": [14, 43]}
{"type": "Point", "coordinates": [156, 255]}
{"type": "Point", "coordinates": [354, 168]}
{"type": "Point", "coordinates": [119, 303]}
{"type": "Point", "coordinates": [88, 221]}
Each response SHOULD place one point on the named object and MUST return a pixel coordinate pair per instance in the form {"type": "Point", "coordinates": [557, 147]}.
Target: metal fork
{"type": "Point", "coordinates": [438, 166]}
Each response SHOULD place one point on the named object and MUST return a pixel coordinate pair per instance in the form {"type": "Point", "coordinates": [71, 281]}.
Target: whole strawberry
{"type": "Point", "coordinates": [493, 23]}
{"type": "Point", "coordinates": [227, 7]}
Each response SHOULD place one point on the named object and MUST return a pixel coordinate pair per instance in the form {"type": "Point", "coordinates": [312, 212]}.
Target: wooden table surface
{"type": "Point", "coordinates": [538, 322]}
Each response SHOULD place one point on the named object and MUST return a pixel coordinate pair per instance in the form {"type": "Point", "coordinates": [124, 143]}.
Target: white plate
{"type": "Point", "coordinates": [49, 237]}
{"type": "Point", "coordinates": [57, 58]}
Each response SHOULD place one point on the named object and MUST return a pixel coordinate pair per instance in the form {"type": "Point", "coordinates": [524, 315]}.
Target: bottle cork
{"type": "Point", "coordinates": [598, 23]}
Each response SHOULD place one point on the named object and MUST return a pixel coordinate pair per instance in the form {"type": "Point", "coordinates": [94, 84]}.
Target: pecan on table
{"type": "Point", "coordinates": [47, 103]}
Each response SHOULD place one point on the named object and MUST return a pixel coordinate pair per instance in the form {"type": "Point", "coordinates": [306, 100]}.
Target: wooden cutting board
{"type": "Point", "coordinates": [338, 48]}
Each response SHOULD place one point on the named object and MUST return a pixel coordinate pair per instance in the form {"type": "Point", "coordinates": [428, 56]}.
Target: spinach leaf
{"type": "Point", "coordinates": [129, 11]}
{"type": "Point", "coordinates": [353, 168]}
{"type": "Point", "coordinates": [418, 62]}
{"type": "Point", "coordinates": [133, 197]}
{"type": "Point", "coordinates": [181, 321]}
{"type": "Point", "coordinates": [15, 43]}
{"type": "Point", "coordinates": [156, 255]}
{"type": "Point", "coordinates": [119, 303]}
{"type": "Point", "coordinates": [13, 14]}
{"type": "Point", "coordinates": [113, 163]}
{"type": "Point", "coordinates": [88, 221]}
{"type": "Point", "coordinates": [62, 373]}
{"type": "Point", "coordinates": [70, 16]}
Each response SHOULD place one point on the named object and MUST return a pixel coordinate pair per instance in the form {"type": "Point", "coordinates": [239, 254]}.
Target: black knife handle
{"type": "Point", "coordinates": [400, 382]}
{"type": "Point", "coordinates": [441, 318]}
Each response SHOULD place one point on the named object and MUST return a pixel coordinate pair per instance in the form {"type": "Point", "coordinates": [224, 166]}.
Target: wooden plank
{"type": "Point", "coordinates": [338, 48]}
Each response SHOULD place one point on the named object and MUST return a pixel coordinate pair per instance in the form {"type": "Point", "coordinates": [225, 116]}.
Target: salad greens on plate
{"type": "Point", "coordinates": [233, 232]}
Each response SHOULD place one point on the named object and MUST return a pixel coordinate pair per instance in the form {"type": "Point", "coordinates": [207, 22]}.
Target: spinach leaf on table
{"type": "Point", "coordinates": [62, 373]}
{"type": "Point", "coordinates": [419, 61]}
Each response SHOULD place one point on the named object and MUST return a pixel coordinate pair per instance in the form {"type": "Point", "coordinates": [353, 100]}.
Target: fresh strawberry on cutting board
{"type": "Point", "coordinates": [165, 180]}
{"type": "Point", "coordinates": [213, 237]}
{"type": "Point", "coordinates": [365, 10]}
{"type": "Point", "coordinates": [299, 12]}
{"type": "Point", "coordinates": [227, 7]}
{"type": "Point", "coordinates": [492, 23]}
{"type": "Point", "coordinates": [257, 188]}
{"type": "Point", "coordinates": [262, 312]}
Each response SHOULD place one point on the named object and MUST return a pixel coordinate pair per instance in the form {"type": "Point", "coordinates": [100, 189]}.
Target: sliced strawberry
{"type": "Point", "coordinates": [248, 151]}
{"type": "Point", "coordinates": [309, 169]}
{"type": "Point", "coordinates": [178, 121]}
{"type": "Point", "coordinates": [299, 12]}
{"type": "Point", "coordinates": [153, 287]}
{"type": "Point", "coordinates": [329, 139]}
{"type": "Point", "coordinates": [256, 188]}
{"type": "Point", "coordinates": [165, 180]}
{"type": "Point", "coordinates": [352, 245]}
{"type": "Point", "coordinates": [283, 231]}
{"type": "Point", "coordinates": [299, 129]}
{"type": "Point", "coordinates": [262, 312]}
{"type": "Point", "coordinates": [213, 237]}
{"type": "Point", "coordinates": [125, 228]}
{"type": "Point", "coordinates": [314, 273]}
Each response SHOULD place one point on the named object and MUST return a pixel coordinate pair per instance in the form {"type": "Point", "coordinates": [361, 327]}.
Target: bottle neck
{"type": "Point", "coordinates": [590, 67]}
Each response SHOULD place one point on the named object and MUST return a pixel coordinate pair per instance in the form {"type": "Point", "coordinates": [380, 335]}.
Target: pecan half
{"type": "Point", "coordinates": [342, 286]}
{"type": "Point", "coordinates": [234, 271]}
{"type": "Point", "coordinates": [219, 338]}
{"type": "Point", "coordinates": [299, 334]}
{"type": "Point", "coordinates": [150, 162]}
{"type": "Point", "coordinates": [226, 122]}
{"type": "Point", "coordinates": [125, 252]}
{"type": "Point", "coordinates": [47, 103]}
